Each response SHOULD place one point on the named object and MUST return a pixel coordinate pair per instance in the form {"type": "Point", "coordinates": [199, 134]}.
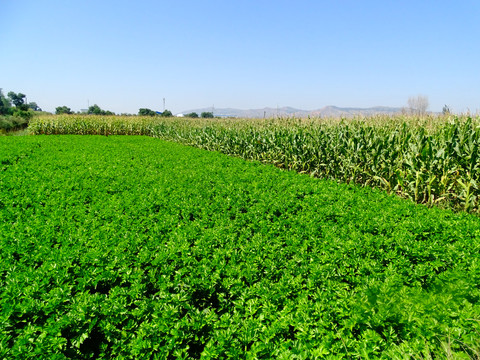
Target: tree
{"type": "Point", "coordinates": [33, 105]}
{"type": "Point", "coordinates": [63, 110]}
{"type": "Point", "coordinates": [418, 104]}
{"type": "Point", "coordinates": [192, 115]}
{"type": "Point", "coordinates": [167, 113]}
{"type": "Point", "coordinates": [96, 110]}
{"type": "Point", "coordinates": [16, 99]}
{"type": "Point", "coordinates": [21, 109]}
{"type": "Point", "coordinates": [207, 114]}
{"type": "Point", "coordinates": [146, 112]}
{"type": "Point", "coordinates": [5, 107]}
{"type": "Point", "coordinates": [446, 110]}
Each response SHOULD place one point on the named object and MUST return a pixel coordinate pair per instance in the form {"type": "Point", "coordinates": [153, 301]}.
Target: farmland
{"type": "Point", "coordinates": [138, 248]}
{"type": "Point", "coordinates": [429, 160]}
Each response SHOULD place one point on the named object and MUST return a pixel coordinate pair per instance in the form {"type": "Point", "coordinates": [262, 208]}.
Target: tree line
{"type": "Point", "coordinates": [96, 110]}
{"type": "Point", "coordinates": [167, 113]}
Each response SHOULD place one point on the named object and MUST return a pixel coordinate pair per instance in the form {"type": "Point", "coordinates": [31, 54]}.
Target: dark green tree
{"type": "Point", "coordinates": [63, 110]}
{"type": "Point", "coordinates": [16, 99]}
{"type": "Point", "coordinates": [96, 110]}
{"type": "Point", "coordinates": [21, 109]}
{"type": "Point", "coordinates": [207, 114]}
{"type": "Point", "coordinates": [146, 112]}
{"type": "Point", "coordinates": [33, 105]}
{"type": "Point", "coordinates": [5, 107]}
{"type": "Point", "coordinates": [192, 115]}
{"type": "Point", "coordinates": [167, 113]}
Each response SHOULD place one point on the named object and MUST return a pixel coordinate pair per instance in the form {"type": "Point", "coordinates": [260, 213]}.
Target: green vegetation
{"type": "Point", "coordinates": [96, 110]}
{"type": "Point", "coordinates": [18, 100]}
{"type": "Point", "coordinates": [33, 106]}
{"type": "Point", "coordinates": [12, 123]}
{"type": "Point", "coordinates": [430, 160]}
{"type": "Point", "coordinates": [4, 104]}
{"type": "Point", "coordinates": [206, 115]}
{"type": "Point", "coordinates": [136, 248]}
{"type": "Point", "coordinates": [63, 110]}
{"type": "Point", "coordinates": [192, 115]}
{"type": "Point", "coordinates": [146, 112]}
{"type": "Point", "coordinates": [167, 113]}
{"type": "Point", "coordinates": [15, 114]}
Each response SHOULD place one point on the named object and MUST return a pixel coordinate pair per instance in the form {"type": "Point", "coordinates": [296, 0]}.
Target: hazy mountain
{"type": "Point", "coordinates": [327, 111]}
{"type": "Point", "coordinates": [335, 111]}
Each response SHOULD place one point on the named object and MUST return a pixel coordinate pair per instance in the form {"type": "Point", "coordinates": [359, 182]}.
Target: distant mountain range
{"type": "Point", "coordinates": [327, 111]}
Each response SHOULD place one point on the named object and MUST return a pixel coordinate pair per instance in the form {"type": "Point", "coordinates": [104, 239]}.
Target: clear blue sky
{"type": "Point", "coordinates": [125, 55]}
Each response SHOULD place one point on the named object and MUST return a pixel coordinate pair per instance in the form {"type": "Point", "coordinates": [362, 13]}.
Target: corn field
{"type": "Point", "coordinates": [430, 160]}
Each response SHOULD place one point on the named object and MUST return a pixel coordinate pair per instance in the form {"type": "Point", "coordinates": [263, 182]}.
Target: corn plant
{"type": "Point", "coordinates": [430, 160]}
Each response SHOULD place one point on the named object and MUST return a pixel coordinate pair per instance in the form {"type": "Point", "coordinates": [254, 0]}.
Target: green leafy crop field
{"type": "Point", "coordinates": [434, 160]}
{"type": "Point", "coordinates": [137, 248]}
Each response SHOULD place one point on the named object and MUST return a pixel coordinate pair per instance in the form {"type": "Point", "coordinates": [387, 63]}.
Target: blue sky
{"type": "Point", "coordinates": [125, 55]}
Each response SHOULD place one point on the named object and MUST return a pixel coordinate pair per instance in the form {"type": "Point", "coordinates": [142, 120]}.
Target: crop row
{"type": "Point", "coordinates": [434, 161]}
{"type": "Point", "coordinates": [136, 248]}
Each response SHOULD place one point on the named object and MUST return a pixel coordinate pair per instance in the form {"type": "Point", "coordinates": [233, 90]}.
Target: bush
{"type": "Point", "coordinates": [11, 123]}
{"type": "Point", "coordinates": [24, 114]}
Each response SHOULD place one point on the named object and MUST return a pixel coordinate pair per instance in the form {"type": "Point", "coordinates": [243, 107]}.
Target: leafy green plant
{"type": "Point", "coordinates": [136, 248]}
{"type": "Point", "coordinates": [433, 161]}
